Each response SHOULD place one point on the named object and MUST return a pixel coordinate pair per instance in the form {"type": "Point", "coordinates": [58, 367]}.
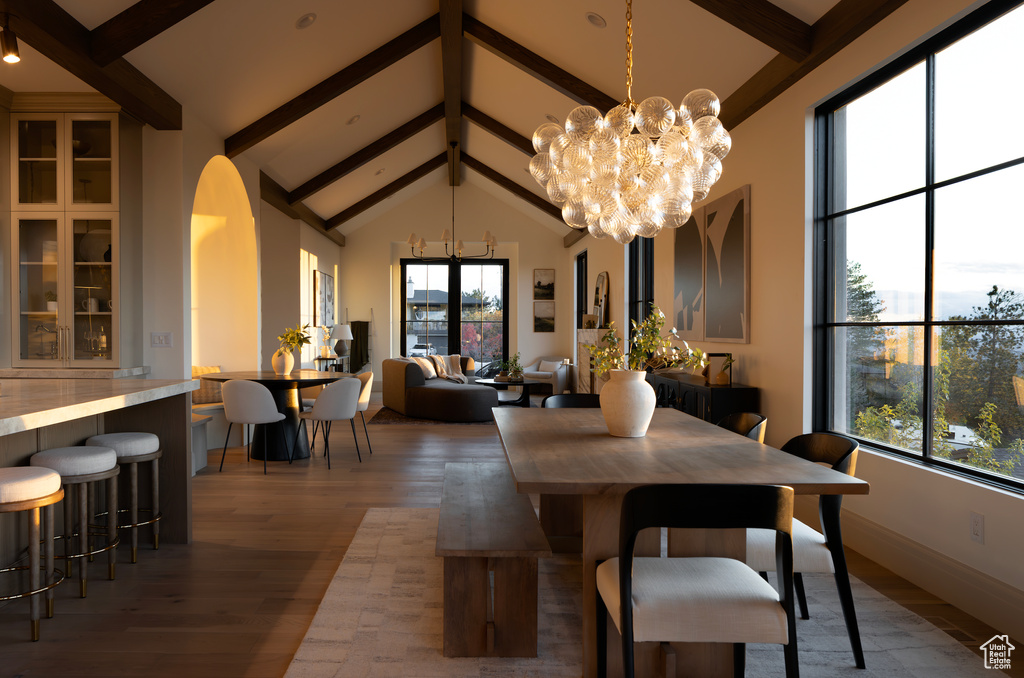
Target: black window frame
{"type": "Point", "coordinates": [640, 258]}
{"type": "Point", "coordinates": [823, 353]}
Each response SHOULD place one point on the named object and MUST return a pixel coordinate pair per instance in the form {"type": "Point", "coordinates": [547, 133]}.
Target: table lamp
{"type": "Point", "coordinates": [342, 334]}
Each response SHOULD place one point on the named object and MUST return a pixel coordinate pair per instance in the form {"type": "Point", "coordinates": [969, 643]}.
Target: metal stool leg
{"type": "Point", "coordinates": [112, 524]}
{"type": "Point", "coordinates": [133, 509]}
{"type": "Point", "coordinates": [156, 503]}
{"type": "Point", "coordinates": [33, 570]}
{"type": "Point", "coordinates": [48, 518]}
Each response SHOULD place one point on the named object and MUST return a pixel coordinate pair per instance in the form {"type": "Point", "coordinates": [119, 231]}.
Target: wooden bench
{"type": "Point", "coordinates": [486, 526]}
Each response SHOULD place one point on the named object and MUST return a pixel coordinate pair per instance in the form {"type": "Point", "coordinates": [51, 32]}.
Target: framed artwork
{"type": "Point", "coordinates": [323, 296]}
{"type": "Point", "coordinates": [712, 271]}
{"type": "Point", "coordinates": [543, 316]}
{"type": "Point", "coordinates": [544, 283]}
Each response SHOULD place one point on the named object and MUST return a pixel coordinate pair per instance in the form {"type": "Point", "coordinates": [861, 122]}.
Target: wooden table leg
{"type": "Point", "coordinates": [561, 517]}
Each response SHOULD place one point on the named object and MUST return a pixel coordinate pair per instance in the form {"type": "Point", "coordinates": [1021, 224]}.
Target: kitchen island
{"type": "Point", "coordinates": [38, 414]}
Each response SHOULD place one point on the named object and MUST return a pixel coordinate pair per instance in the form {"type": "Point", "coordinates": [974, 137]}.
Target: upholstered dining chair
{"type": "Point", "coordinates": [337, 402]}
{"type": "Point", "coordinates": [572, 400]}
{"type": "Point", "coordinates": [366, 384]}
{"type": "Point", "coordinates": [249, 402]}
{"type": "Point", "coordinates": [698, 599]}
{"type": "Point", "coordinates": [749, 424]}
{"type": "Point", "coordinates": [812, 550]}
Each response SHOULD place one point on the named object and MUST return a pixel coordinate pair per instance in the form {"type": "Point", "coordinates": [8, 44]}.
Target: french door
{"type": "Point", "coordinates": [455, 307]}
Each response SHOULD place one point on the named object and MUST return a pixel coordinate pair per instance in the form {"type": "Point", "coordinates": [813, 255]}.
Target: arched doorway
{"type": "Point", "coordinates": [225, 297]}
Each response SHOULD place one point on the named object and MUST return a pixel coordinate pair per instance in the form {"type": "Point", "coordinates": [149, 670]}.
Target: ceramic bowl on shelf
{"type": "Point", "coordinates": [94, 244]}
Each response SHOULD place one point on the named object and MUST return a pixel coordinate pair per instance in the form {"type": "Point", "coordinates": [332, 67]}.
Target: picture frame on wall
{"type": "Point", "coordinates": [323, 296]}
{"type": "Point", "coordinates": [544, 283]}
{"type": "Point", "coordinates": [543, 316]}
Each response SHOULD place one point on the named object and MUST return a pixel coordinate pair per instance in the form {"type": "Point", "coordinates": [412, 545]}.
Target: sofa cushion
{"type": "Point", "coordinates": [548, 366]}
{"type": "Point", "coordinates": [427, 367]}
{"type": "Point", "coordinates": [447, 401]}
{"type": "Point", "coordinates": [209, 391]}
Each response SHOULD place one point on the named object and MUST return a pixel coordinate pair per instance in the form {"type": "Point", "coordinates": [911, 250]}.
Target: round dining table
{"type": "Point", "coordinates": [285, 389]}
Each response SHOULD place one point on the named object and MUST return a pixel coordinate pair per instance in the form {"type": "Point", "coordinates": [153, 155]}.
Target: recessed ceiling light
{"type": "Point", "coordinates": [553, 119]}
{"type": "Point", "coordinates": [596, 20]}
{"type": "Point", "coordinates": [379, 172]}
{"type": "Point", "coordinates": [353, 120]}
{"type": "Point", "coordinates": [305, 21]}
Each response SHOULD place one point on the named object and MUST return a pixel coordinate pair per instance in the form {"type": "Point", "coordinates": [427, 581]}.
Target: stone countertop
{"type": "Point", "coordinates": [73, 372]}
{"type": "Point", "coordinates": [27, 404]}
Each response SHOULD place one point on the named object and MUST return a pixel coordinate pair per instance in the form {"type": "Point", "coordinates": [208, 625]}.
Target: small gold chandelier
{"type": "Point", "coordinates": [637, 169]}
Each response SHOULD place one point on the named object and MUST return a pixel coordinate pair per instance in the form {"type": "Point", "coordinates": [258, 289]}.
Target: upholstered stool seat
{"type": "Point", "coordinates": [23, 488]}
{"type": "Point", "coordinates": [133, 448]}
{"type": "Point", "coordinates": [79, 467]}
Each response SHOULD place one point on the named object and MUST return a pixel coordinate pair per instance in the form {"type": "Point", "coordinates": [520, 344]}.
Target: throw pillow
{"type": "Point", "coordinates": [440, 365]}
{"type": "Point", "coordinates": [549, 366]}
{"type": "Point", "coordinates": [427, 367]}
{"type": "Point", "coordinates": [209, 391]}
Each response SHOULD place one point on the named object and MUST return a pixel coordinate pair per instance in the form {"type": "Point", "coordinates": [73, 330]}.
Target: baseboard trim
{"type": "Point", "coordinates": [976, 593]}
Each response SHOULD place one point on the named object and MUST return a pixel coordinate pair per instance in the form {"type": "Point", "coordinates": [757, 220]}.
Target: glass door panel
{"type": "Point", "coordinates": [37, 162]}
{"type": "Point", "coordinates": [39, 288]}
{"type": "Point", "coordinates": [91, 154]}
{"type": "Point", "coordinates": [483, 316]}
{"type": "Point", "coordinates": [93, 289]}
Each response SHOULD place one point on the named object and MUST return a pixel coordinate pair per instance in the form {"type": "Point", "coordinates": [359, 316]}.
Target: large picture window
{"type": "Point", "coordinates": [919, 331]}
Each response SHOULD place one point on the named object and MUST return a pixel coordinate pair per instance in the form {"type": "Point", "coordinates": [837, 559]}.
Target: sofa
{"type": "Point", "coordinates": [550, 370]}
{"type": "Point", "coordinates": [408, 391]}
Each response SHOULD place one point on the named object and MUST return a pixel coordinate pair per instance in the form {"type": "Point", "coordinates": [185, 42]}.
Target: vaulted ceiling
{"type": "Point", "coordinates": [373, 97]}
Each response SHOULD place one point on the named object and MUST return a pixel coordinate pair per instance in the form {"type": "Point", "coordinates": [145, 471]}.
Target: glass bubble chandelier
{"type": "Point", "coordinates": [636, 169]}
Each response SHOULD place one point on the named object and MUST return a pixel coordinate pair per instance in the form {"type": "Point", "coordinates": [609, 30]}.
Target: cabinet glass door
{"type": "Point", "coordinates": [39, 288]}
{"type": "Point", "coordinates": [92, 248]}
{"type": "Point", "coordinates": [37, 167]}
{"type": "Point", "coordinates": [91, 154]}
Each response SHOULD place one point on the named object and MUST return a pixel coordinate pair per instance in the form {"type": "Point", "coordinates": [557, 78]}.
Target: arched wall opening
{"type": "Point", "coordinates": [225, 295]}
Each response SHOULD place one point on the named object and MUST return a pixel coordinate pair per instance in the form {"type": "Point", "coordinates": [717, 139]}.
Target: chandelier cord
{"type": "Point", "coordinates": [629, 54]}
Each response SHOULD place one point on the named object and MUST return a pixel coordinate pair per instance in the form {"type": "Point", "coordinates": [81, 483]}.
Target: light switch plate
{"type": "Point", "coordinates": [161, 339]}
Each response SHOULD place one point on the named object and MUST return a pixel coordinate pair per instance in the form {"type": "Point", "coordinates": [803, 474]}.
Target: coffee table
{"type": "Point", "coordinates": [524, 398]}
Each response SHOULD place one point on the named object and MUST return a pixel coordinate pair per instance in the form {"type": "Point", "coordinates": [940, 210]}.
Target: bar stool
{"type": "Point", "coordinates": [78, 468]}
{"type": "Point", "coordinates": [132, 449]}
{"type": "Point", "coordinates": [23, 488]}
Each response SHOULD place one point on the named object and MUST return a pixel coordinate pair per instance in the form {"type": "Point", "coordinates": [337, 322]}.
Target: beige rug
{"type": "Point", "coordinates": [381, 616]}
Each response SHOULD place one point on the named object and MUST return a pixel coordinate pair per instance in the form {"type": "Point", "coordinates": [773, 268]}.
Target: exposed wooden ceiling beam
{"type": "Point", "coordinates": [512, 187]}
{"type": "Point", "coordinates": [274, 194]}
{"type": "Point", "coordinates": [334, 86]}
{"type": "Point", "coordinates": [136, 25]}
{"type": "Point", "coordinates": [451, 72]}
{"type": "Point", "coordinates": [839, 27]}
{"type": "Point", "coordinates": [506, 134]}
{"type": "Point", "coordinates": [366, 154]}
{"type": "Point", "coordinates": [538, 67]}
{"type": "Point", "coordinates": [59, 37]}
{"type": "Point", "coordinates": [389, 190]}
{"type": "Point", "coordinates": [766, 22]}
{"type": "Point", "coordinates": [573, 237]}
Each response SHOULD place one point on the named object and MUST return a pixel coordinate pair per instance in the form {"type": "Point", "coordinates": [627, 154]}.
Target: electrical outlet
{"type": "Point", "coordinates": [978, 527]}
{"type": "Point", "coordinates": [161, 339]}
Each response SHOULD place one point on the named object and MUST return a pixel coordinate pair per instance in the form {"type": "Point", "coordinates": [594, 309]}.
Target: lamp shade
{"type": "Point", "coordinates": [342, 333]}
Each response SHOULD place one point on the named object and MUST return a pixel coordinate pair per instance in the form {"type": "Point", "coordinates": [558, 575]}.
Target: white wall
{"type": "Point", "coordinates": [370, 264]}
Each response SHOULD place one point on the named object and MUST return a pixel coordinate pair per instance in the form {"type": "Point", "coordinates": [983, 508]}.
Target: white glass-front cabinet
{"type": "Point", "coordinates": [64, 161]}
{"type": "Point", "coordinates": [65, 283]}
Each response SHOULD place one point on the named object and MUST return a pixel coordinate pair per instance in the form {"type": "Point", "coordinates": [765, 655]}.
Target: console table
{"type": "Point", "coordinates": [689, 393]}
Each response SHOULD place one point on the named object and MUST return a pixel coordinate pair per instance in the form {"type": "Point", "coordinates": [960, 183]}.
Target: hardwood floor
{"type": "Point", "coordinates": [237, 601]}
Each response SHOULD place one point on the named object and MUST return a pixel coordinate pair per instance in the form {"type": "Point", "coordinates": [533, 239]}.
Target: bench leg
{"type": "Point", "coordinates": [466, 594]}
{"type": "Point", "coordinates": [515, 607]}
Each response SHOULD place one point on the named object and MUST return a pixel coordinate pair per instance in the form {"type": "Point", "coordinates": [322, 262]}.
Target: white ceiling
{"type": "Point", "coordinates": [234, 61]}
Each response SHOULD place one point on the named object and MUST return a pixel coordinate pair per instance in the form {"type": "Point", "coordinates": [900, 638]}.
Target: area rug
{"type": "Point", "coordinates": [386, 415]}
{"type": "Point", "coordinates": [381, 616]}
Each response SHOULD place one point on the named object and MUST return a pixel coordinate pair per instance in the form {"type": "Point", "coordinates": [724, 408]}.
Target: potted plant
{"type": "Point", "coordinates": [627, 400]}
{"type": "Point", "coordinates": [283, 360]}
{"type": "Point", "coordinates": [51, 300]}
{"type": "Point", "coordinates": [514, 368]}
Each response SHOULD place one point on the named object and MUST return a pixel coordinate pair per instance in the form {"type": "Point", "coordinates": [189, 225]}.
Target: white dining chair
{"type": "Point", "coordinates": [249, 402]}
{"type": "Point", "coordinates": [366, 379]}
{"type": "Point", "coordinates": [337, 402]}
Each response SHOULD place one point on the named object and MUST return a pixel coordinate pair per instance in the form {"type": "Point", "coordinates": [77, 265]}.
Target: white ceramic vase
{"type": "Point", "coordinates": [283, 361]}
{"type": "Point", "coordinates": [627, 403]}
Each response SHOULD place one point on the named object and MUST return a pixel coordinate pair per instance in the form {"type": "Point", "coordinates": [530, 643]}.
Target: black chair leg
{"type": "Point", "coordinates": [264, 448]}
{"type": "Point", "coordinates": [224, 453]}
{"type": "Point", "coordinates": [365, 432]}
{"type": "Point", "coordinates": [792, 663]}
{"type": "Point", "coordinates": [739, 659]}
{"type": "Point", "coordinates": [602, 636]}
{"type": "Point", "coordinates": [801, 597]}
{"type": "Point", "coordinates": [846, 601]}
{"type": "Point", "coordinates": [356, 439]}
{"type": "Point", "coordinates": [326, 428]}
{"type": "Point", "coordinates": [312, 440]}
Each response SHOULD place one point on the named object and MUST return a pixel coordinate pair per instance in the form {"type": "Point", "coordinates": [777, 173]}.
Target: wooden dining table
{"type": "Point", "coordinates": [285, 389]}
{"type": "Point", "coordinates": [566, 452]}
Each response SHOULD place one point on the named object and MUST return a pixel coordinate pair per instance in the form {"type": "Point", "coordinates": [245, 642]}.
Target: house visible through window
{"type": "Point", "coordinates": [919, 288]}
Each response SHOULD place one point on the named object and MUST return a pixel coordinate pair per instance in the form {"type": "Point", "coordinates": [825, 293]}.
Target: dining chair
{"type": "Point", "coordinates": [698, 599]}
{"type": "Point", "coordinates": [250, 402]}
{"type": "Point", "coordinates": [308, 396]}
{"type": "Point", "coordinates": [337, 402]}
{"type": "Point", "coordinates": [749, 424]}
{"type": "Point", "coordinates": [813, 551]}
{"type": "Point", "coordinates": [572, 400]}
{"type": "Point", "coordinates": [366, 384]}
